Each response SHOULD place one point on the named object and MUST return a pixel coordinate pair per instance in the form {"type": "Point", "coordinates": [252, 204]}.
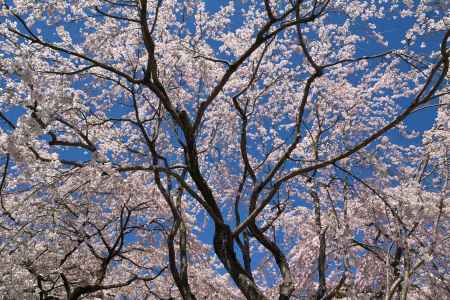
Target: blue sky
{"type": "Point", "coordinates": [420, 121]}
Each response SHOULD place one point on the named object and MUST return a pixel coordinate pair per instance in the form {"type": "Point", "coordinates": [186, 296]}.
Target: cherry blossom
{"type": "Point", "coordinates": [224, 149]}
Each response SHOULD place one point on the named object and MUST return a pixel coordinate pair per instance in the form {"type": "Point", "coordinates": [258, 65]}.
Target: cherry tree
{"type": "Point", "coordinates": [224, 149]}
